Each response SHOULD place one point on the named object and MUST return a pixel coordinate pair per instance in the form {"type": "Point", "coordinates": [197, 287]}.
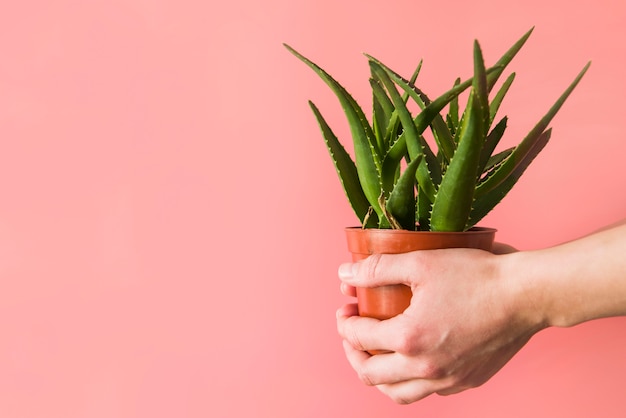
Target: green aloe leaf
{"type": "Point", "coordinates": [346, 169]}
{"type": "Point", "coordinates": [452, 118]}
{"type": "Point", "coordinates": [528, 143]}
{"type": "Point", "coordinates": [430, 113]}
{"type": "Point", "coordinates": [398, 152]}
{"type": "Point", "coordinates": [394, 123]}
{"type": "Point", "coordinates": [430, 110]}
{"type": "Point", "coordinates": [411, 133]}
{"type": "Point", "coordinates": [492, 78]}
{"type": "Point", "coordinates": [381, 114]}
{"type": "Point", "coordinates": [368, 161]}
{"type": "Point", "coordinates": [391, 166]}
{"type": "Point", "coordinates": [431, 169]}
{"type": "Point", "coordinates": [497, 100]}
{"type": "Point", "coordinates": [424, 209]}
{"type": "Point", "coordinates": [484, 204]}
{"type": "Point", "coordinates": [495, 160]}
{"type": "Point", "coordinates": [401, 202]}
{"type": "Point", "coordinates": [491, 143]}
{"type": "Point", "coordinates": [453, 203]}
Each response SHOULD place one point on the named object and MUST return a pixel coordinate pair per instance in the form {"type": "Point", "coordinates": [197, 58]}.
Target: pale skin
{"type": "Point", "coordinates": [472, 311]}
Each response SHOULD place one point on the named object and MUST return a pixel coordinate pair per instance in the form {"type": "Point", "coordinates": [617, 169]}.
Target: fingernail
{"type": "Point", "coordinates": [344, 289]}
{"type": "Point", "coordinates": [347, 271]}
{"type": "Point", "coordinates": [341, 312]}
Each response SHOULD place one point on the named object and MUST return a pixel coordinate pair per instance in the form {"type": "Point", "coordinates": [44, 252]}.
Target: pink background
{"type": "Point", "coordinates": [171, 224]}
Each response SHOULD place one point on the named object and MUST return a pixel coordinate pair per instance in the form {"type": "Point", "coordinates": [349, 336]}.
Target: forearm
{"type": "Point", "coordinates": [573, 282]}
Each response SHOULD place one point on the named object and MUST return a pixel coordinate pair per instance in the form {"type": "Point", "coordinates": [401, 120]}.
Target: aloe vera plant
{"type": "Point", "coordinates": [397, 180]}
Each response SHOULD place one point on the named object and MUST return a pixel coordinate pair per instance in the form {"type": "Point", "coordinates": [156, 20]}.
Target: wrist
{"type": "Point", "coordinates": [528, 299]}
{"type": "Point", "coordinates": [571, 283]}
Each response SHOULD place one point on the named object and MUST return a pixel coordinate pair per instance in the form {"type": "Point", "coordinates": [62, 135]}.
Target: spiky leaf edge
{"type": "Point", "coordinates": [368, 161]}
{"type": "Point", "coordinates": [528, 143]}
{"type": "Point", "coordinates": [347, 172]}
{"type": "Point", "coordinates": [485, 204]}
{"type": "Point", "coordinates": [453, 203]}
{"type": "Point", "coordinates": [401, 203]}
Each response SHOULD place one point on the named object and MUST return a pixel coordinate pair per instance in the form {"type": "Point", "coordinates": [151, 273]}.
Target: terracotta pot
{"type": "Point", "coordinates": [388, 301]}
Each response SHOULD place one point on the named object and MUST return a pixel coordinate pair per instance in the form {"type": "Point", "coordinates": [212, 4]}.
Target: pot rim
{"type": "Point", "coordinates": [474, 230]}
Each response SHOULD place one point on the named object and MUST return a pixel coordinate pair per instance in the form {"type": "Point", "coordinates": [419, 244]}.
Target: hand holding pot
{"type": "Point", "coordinates": [472, 310]}
{"type": "Point", "coordinates": [464, 323]}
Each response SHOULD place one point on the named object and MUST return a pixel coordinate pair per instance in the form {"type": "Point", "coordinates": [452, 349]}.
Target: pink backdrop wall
{"type": "Point", "coordinates": [171, 225]}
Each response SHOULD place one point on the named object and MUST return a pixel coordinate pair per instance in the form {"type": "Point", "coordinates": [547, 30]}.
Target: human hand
{"type": "Point", "coordinates": [465, 322]}
{"type": "Point", "coordinates": [498, 248]}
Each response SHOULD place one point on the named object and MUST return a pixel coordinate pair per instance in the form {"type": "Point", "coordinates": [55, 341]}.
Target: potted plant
{"type": "Point", "coordinates": [409, 194]}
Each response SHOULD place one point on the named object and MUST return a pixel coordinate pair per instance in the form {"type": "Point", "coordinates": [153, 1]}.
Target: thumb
{"type": "Point", "coordinates": [380, 270]}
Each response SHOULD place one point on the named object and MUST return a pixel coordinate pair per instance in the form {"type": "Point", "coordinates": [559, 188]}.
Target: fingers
{"type": "Point", "coordinates": [391, 368]}
{"type": "Point", "coordinates": [347, 290]}
{"type": "Point", "coordinates": [347, 311]}
{"type": "Point", "coordinates": [367, 334]}
{"type": "Point", "coordinates": [395, 376]}
{"type": "Point", "coordinates": [414, 390]}
{"type": "Point", "coordinates": [361, 332]}
{"type": "Point", "coordinates": [380, 270]}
